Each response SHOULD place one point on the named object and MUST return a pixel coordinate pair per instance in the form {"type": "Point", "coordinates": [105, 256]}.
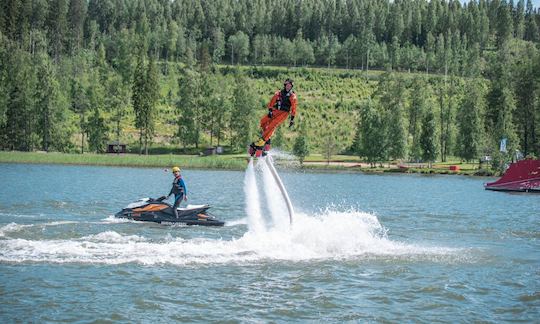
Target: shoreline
{"type": "Point", "coordinates": [219, 162]}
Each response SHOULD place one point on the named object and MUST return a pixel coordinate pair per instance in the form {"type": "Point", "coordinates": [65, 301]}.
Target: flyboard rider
{"type": "Point", "coordinates": [281, 106]}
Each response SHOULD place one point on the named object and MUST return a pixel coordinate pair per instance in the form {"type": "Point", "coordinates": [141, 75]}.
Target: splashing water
{"type": "Point", "coordinates": [276, 204]}
{"type": "Point", "coordinates": [331, 234]}
{"type": "Point", "coordinates": [253, 207]}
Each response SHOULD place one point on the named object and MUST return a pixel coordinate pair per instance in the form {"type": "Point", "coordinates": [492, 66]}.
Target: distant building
{"type": "Point", "coordinates": [116, 147]}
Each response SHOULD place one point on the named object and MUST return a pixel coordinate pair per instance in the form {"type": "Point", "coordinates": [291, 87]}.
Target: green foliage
{"type": "Point", "coordinates": [95, 127]}
{"type": "Point", "coordinates": [242, 121]}
{"type": "Point", "coordinates": [391, 94]}
{"type": "Point", "coordinates": [19, 119]}
{"type": "Point", "coordinates": [144, 98]}
{"type": "Point", "coordinates": [188, 121]}
{"type": "Point", "coordinates": [91, 42]}
{"type": "Point", "coordinates": [97, 131]}
{"type": "Point", "coordinates": [527, 111]}
{"type": "Point", "coordinates": [471, 122]}
{"type": "Point", "coordinates": [372, 135]}
{"type": "Point", "coordinates": [428, 142]}
{"type": "Point", "coordinates": [239, 47]}
{"type": "Point", "coordinates": [418, 107]}
{"type": "Point", "coordinates": [47, 102]}
{"type": "Point", "coordinates": [501, 101]}
{"type": "Point", "coordinates": [301, 147]}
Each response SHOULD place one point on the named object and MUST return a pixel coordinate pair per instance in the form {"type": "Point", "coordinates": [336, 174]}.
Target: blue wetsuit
{"type": "Point", "coordinates": [179, 190]}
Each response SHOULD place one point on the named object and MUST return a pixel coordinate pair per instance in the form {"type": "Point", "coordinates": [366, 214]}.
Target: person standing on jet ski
{"type": "Point", "coordinates": [282, 104]}
{"type": "Point", "coordinates": [178, 189]}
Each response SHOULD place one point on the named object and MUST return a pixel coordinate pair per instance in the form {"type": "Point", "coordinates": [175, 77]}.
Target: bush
{"type": "Point", "coordinates": [484, 172]}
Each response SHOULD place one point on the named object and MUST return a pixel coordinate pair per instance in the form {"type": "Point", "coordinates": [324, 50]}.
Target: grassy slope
{"type": "Point", "coordinates": [327, 102]}
{"type": "Point", "coordinates": [328, 99]}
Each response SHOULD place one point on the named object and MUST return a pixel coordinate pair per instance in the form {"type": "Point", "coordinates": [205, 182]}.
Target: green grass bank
{"type": "Point", "coordinates": [314, 162]}
{"type": "Point", "coordinates": [229, 162]}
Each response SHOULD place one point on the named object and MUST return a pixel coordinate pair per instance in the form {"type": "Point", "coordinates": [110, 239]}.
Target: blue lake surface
{"type": "Point", "coordinates": [362, 248]}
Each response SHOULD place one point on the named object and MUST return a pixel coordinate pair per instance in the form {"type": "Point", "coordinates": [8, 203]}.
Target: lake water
{"type": "Point", "coordinates": [362, 248]}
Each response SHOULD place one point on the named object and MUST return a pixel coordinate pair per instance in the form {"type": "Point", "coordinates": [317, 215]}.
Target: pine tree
{"type": "Point", "coordinates": [519, 19]}
{"type": "Point", "coordinates": [76, 17]}
{"type": "Point", "coordinates": [447, 99]}
{"type": "Point", "coordinates": [79, 104]}
{"type": "Point", "coordinates": [9, 16]}
{"type": "Point", "coordinates": [5, 57]}
{"type": "Point", "coordinates": [242, 117]}
{"type": "Point", "coordinates": [218, 45]}
{"type": "Point", "coordinates": [531, 26]}
{"type": "Point", "coordinates": [373, 134]}
{"type": "Point", "coordinates": [527, 91]}
{"type": "Point", "coordinates": [151, 99]}
{"type": "Point", "coordinates": [57, 26]}
{"type": "Point", "coordinates": [144, 98]}
{"type": "Point", "coordinates": [501, 103]}
{"type": "Point", "coordinates": [391, 93]}
{"type": "Point", "coordinates": [505, 26]}
{"type": "Point", "coordinates": [188, 93]}
{"type": "Point", "coordinates": [47, 103]}
{"type": "Point", "coordinates": [428, 138]}
{"type": "Point", "coordinates": [471, 122]}
{"type": "Point", "coordinates": [417, 109]}
{"type": "Point", "coordinates": [96, 128]}
{"type": "Point", "coordinates": [116, 102]}
{"type": "Point", "coordinates": [20, 123]}
{"type": "Point", "coordinates": [348, 49]}
{"type": "Point", "coordinates": [97, 131]}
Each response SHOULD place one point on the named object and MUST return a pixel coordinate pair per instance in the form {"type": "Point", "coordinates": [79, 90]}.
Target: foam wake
{"type": "Point", "coordinates": [14, 227]}
{"type": "Point", "coordinates": [338, 235]}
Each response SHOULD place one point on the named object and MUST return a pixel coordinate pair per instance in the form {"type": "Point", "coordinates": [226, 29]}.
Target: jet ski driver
{"type": "Point", "coordinates": [178, 189]}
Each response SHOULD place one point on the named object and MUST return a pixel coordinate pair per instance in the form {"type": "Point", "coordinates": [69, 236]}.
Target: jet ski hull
{"type": "Point", "coordinates": [160, 212]}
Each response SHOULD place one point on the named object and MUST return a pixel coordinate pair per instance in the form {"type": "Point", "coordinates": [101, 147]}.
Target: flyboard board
{"type": "Point", "coordinates": [270, 163]}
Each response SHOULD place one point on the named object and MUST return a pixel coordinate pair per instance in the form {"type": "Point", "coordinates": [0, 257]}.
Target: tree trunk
{"type": "Point", "coordinates": [118, 136]}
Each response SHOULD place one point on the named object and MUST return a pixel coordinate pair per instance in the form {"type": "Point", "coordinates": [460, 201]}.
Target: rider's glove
{"type": "Point", "coordinates": [291, 123]}
{"type": "Point", "coordinates": [270, 113]}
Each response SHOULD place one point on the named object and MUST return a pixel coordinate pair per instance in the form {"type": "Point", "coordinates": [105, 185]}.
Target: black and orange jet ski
{"type": "Point", "coordinates": [158, 211]}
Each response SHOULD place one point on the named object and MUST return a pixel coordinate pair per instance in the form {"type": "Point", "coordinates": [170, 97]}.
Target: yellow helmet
{"type": "Point", "coordinates": [175, 169]}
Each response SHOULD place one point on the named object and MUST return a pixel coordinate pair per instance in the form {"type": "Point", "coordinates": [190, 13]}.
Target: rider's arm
{"type": "Point", "coordinates": [273, 101]}
{"type": "Point", "coordinates": [293, 104]}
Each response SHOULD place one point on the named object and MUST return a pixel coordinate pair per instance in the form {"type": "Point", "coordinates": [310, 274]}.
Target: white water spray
{"type": "Point", "coordinates": [338, 235]}
{"type": "Point", "coordinates": [253, 206]}
{"type": "Point", "coordinates": [274, 200]}
{"type": "Point", "coordinates": [277, 213]}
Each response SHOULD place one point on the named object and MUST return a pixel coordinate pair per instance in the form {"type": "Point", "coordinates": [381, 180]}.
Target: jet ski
{"type": "Point", "coordinates": [158, 211]}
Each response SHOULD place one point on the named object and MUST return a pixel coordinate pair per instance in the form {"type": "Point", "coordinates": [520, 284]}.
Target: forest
{"type": "Point", "coordinates": [412, 80]}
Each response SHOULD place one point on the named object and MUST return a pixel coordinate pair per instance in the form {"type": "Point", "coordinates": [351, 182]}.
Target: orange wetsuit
{"type": "Point", "coordinates": [282, 105]}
